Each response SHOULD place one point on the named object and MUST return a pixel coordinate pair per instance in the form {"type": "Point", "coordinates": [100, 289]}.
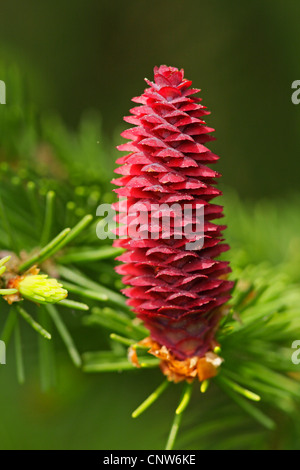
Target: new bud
{"type": "Point", "coordinates": [41, 289]}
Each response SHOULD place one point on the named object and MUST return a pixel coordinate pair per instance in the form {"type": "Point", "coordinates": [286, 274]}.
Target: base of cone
{"type": "Point", "coordinates": [177, 370]}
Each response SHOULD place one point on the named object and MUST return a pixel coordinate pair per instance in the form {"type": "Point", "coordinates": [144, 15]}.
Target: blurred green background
{"type": "Point", "coordinates": [243, 55]}
{"type": "Point", "coordinates": [78, 56]}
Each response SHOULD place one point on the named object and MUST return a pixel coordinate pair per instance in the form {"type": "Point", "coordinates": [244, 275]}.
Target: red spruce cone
{"type": "Point", "coordinates": [176, 291]}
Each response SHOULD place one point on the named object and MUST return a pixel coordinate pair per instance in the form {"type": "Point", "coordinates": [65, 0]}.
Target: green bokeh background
{"type": "Point", "coordinates": [243, 55]}
{"type": "Point", "coordinates": [93, 55]}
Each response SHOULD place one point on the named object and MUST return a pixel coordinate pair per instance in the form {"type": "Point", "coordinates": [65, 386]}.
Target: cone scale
{"type": "Point", "coordinates": [178, 293]}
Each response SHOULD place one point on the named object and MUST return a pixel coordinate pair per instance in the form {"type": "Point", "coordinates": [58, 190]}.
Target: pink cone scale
{"type": "Point", "coordinates": [178, 293]}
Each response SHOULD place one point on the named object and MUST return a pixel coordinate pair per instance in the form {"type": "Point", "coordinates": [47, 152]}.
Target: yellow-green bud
{"type": "Point", "coordinates": [39, 288]}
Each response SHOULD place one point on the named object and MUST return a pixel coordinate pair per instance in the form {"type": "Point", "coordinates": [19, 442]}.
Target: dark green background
{"type": "Point", "coordinates": [244, 55]}
{"type": "Point", "coordinates": [81, 54]}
